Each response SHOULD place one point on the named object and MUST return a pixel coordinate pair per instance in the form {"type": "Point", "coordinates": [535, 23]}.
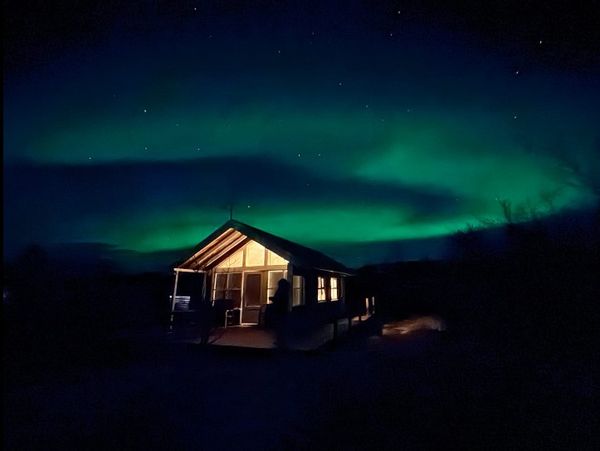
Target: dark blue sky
{"type": "Point", "coordinates": [371, 129]}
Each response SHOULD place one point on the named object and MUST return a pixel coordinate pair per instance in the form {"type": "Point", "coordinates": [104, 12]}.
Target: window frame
{"type": "Point", "coordinates": [300, 289]}
{"type": "Point", "coordinates": [322, 290]}
{"type": "Point", "coordinates": [336, 288]}
{"type": "Point", "coordinates": [228, 289]}
{"type": "Point", "coordinates": [274, 288]}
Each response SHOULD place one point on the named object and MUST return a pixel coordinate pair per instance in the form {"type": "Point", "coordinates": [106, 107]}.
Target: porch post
{"type": "Point", "coordinates": [204, 283]}
{"type": "Point", "coordinates": [290, 279]}
{"type": "Point", "coordinates": [173, 299]}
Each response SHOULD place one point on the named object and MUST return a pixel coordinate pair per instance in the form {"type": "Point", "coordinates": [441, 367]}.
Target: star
{"type": "Point", "coordinates": [540, 42]}
{"type": "Point", "coordinates": [516, 72]}
{"type": "Point", "coordinates": [299, 155]}
{"type": "Point", "coordinates": [515, 116]}
{"type": "Point", "coordinates": [340, 83]}
{"type": "Point", "coordinates": [145, 147]}
{"type": "Point", "coordinates": [145, 110]}
{"type": "Point", "coordinates": [89, 158]}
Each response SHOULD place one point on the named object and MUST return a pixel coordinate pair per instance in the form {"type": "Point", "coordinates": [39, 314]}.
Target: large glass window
{"type": "Point", "coordinates": [228, 286]}
{"type": "Point", "coordinates": [298, 290]}
{"type": "Point", "coordinates": [220, 285]}
{"type": "Point", "coordinates": [272, 282]}
{"type": "Point", "coordinates": [334, 292]}
{"type": "Point", "coordinates": [321, 289]}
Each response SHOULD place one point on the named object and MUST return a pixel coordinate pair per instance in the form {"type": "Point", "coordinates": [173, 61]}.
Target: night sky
{"type": "Point", "coordinates": [369, 129]}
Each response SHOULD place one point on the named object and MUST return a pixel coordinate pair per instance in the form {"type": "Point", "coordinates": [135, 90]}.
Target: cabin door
{"type": "Point", "coordinates": [252, 297]}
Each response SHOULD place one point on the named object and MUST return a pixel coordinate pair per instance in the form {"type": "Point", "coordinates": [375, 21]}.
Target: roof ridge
{"type": "Point", "coordinates": [278, 237]}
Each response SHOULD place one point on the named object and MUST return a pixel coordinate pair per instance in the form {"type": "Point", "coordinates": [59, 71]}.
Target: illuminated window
{"type": "Point", "coordinates": [255, 254]}
{"type": "Point", "coordinates": [273, 281]}
{"type": "Point", "coordinates": [321, 290]}
{"type": "Point", "coordinates": [333, 289]}
{"type": "Point", "coordinates": [228, 286]}
{"type": "Point", "coordinates": [298, 290]}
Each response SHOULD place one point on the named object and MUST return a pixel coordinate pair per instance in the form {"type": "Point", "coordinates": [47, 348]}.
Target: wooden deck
{"type": "Point", "coordinates": [244, 336]}
{"type": "Point", "coordinates": [259, 338]}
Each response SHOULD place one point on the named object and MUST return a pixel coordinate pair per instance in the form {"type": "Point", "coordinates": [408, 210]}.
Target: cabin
{"type": "Point", "coordinates": [237, 269]}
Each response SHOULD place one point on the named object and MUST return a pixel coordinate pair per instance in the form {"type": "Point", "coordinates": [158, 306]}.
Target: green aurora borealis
{"type": "Point", "coordinates": [329, 137]}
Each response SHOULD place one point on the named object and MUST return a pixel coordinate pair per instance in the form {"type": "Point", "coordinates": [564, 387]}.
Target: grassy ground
{"type": "Point", "coordinates": [406, 389]}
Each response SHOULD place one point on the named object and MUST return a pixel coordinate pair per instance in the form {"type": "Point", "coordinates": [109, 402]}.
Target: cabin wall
{"type": "Point", "coordinates": [311, 285]}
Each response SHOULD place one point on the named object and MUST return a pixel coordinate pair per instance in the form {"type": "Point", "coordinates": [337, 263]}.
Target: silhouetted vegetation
{"type": "Point", "coordinates": [538, 294]}
{"type": "Point", "coordinates": [55, 315]}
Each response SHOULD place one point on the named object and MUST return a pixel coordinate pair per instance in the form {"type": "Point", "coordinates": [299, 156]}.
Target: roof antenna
{"type": "Point", "coordinates": [230, 212]}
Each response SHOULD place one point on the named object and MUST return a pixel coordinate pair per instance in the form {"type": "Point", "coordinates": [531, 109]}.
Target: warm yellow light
{"type": "Point", "coordinates": [333, 289]}
{"type": "Point", "coordinates": [235, 260]}
{"type": "Point", "coordinates": [321, 296]}
{"type": "Point", "coordinates": [410, 325]}
{"type": "Point", "coordinates": [255, 254]}
{"type": "Point", "coordinates": [273, 259]}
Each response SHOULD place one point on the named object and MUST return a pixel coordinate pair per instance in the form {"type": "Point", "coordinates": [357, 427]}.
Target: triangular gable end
{"type": "Point", "coordinates": [252, 255]}
{"type": "Point", "coordinates": [233, 249]}
{"type": "Point", "coordinates": [233, 235]}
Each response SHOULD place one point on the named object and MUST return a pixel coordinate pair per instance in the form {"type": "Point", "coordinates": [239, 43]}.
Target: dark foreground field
{"type": "Point", "coordinates": [423, 389]}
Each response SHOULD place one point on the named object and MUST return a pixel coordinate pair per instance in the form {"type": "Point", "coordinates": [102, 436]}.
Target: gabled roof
{"type": "Point", "coordinates": [233, 235]}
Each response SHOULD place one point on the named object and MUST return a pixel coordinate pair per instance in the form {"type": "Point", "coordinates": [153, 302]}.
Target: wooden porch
{"type": "Point", "coordinates": [250, 336]}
